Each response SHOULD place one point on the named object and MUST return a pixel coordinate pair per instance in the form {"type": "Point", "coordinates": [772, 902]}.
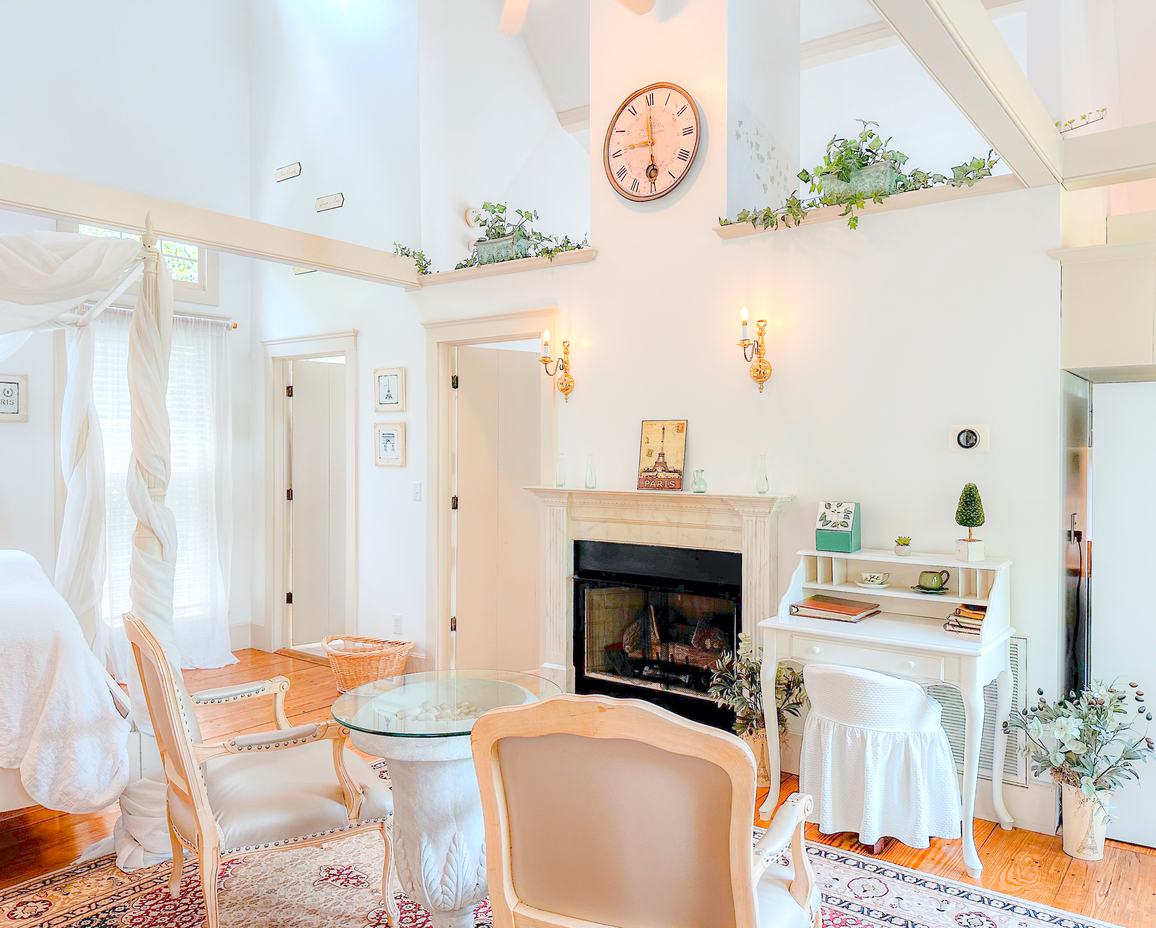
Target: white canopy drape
{"type": "Point", "coordinates": [45, 278]}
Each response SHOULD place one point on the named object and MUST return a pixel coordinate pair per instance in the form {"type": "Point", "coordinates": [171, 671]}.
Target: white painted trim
{"type": "Point", "coordinates": [278, 352]}
{"type": "Point", "coordinates": [579, 256]}
{"type": "Point", "coordinates": [240, 637]}
{"type": "Point", "coordinates": [960, 47]}
{"type": "Point", "coordinates": [1131, 227]}
{"type": "Point", "coordinates": [1002, 183]}
{"type": "Point", "coordinates": [1114, 156]}
{"type": "Point", "coordinates": [59, 197]}
{"type": "Point", "coordinates": [442, 336]}
{"type": "Point", "coordinates": [1086, 254]}
{"type": "Point", "coordinates": [576, 119]}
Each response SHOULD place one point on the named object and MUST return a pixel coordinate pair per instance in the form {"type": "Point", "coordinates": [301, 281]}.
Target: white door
{"type": "Point", "coordinates": [317, 523]}
{"type": "Point", "coordinates": [1123, 550]}
{"type": "Point", "coordinates": [497, 521]}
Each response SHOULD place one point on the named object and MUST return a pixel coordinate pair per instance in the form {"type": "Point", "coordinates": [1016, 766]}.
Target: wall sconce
{"type": "Point", "coordinates": [760, 366]}
{"type": "Point", "coordinates": [561, 365]}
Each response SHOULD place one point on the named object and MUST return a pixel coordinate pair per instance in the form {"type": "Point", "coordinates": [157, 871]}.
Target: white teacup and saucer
{"type": "Point", "coordinates": [872, 580]}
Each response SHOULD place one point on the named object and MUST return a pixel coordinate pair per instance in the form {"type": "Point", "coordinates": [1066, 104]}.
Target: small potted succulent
{"type": "Point", "coordinates": [903, 545]}
{"type": "Point", "coordinates": [736, 684]}
{"type": "Point", "coordinates": [1090, 745]}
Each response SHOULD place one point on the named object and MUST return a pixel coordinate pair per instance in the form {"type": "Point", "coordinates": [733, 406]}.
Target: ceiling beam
{"type": "Point", "coordinates": [960, 47]}
{"type": "Point", "coordinates": [52, 195]}
{"type": "Point", "coordinates": [1114, 156]}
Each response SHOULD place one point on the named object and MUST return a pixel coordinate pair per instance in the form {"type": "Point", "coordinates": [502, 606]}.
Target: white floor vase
{"type": "Point", "coordinates": [1085, 824]}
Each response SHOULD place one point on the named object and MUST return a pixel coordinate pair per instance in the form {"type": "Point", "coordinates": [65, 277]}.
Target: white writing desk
{"type": "Point", "coordinates": [910, 643]}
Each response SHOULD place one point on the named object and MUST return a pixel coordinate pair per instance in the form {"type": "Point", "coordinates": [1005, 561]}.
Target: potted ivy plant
{"type": "Point", "coordinates": [504, 239]}
{"type": "Point", "coordinates": [736, 684]}
{"type": "Point", "coordinates": [1090, 745]}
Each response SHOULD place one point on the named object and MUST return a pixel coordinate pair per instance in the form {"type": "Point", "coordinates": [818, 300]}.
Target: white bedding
{"type": "Point", "coordinates": [58, 722]}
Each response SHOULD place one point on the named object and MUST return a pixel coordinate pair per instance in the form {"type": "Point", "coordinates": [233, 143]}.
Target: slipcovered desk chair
{"type": "Point", "coordinates": [613, 813]}
{"type": "Point", "coordinates": [876, 758]}
{"type": "Point", "coordinates": [253, 793]}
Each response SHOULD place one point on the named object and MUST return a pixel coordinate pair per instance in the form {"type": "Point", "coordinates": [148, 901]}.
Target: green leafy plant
{"type": "Point", "coordinates": [736, 684]}
{"type": "Point", "coordinates": [1085, 119]}
{"type": "Point", "coordinates": [494, 225]}
{"type": "Point", "coordinates": [1087, 741]}
{"type": "Point", "coordinates": [422, 262]}
{"type": "Point", "coordinates": [841, 160]}
{"type": "Point", "coordinates": [903, 540]}
{"type": "Point", "coordinates": [969, 513]}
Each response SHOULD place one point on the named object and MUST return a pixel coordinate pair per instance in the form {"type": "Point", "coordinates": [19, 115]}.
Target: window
{"type": "Point", "coordinates": [193, 267]}
{"type": "Point", "coordinates": [198, 491]}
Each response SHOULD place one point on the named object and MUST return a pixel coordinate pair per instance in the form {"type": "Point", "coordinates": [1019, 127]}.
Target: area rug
{"type": "Point", "coordinates": [338, 886]}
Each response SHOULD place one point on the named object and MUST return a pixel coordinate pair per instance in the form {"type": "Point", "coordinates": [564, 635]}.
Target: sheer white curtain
{"type": "Point", "coordinates": [199, 492]}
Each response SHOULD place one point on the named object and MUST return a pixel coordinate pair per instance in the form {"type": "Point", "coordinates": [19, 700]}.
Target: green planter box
{"type": "Point", "coordinates": [491, 251]}
{"type": "Point", "coordinates": [837, 527]}
{"type": "Point", "coordinates": [879, 178]}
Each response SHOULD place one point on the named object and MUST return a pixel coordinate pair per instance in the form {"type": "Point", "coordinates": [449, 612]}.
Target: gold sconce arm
{"type": "Point", "coordinates": [755, 352]}
{"type": "Point", "coordinates": [561, 371]}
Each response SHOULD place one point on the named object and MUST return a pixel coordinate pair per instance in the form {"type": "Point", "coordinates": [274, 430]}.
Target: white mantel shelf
{"type": "Point", "coordinates": [497, 269]}
{"type": "Point", "coordinates": [747, 524]}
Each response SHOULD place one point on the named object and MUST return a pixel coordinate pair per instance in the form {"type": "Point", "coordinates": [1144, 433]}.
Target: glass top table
{"type": "Point", "coordinates": [438, 704]}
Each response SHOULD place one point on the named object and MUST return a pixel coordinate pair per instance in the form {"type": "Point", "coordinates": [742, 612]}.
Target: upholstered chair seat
{"type": "Point", "coordinates": [263, 798]}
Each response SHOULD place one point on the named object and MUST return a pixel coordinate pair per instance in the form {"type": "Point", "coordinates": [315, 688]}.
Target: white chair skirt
{"type": "Point", "coordinates": [880, 783]}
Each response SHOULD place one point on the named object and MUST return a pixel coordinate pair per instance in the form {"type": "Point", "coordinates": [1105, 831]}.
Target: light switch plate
{"type": "Point", "coordinates": [417, 492]}
{"type": "Point", "coordinates": [971, 439]}
{"type": "Point", "coordinates": [397, 623]}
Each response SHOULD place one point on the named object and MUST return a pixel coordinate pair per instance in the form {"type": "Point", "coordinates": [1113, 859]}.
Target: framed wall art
{"type": "Point", "coordinates": [13, 397]}
{"type": "Point", "coordinates": [389, 389]}
{"type": "Point", "coordinates": [389, 444]}
{"type": "Point", "coordinates": [662, 454]}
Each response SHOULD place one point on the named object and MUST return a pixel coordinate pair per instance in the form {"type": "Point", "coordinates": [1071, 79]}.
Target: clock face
{"type": "Point", "coordinates": [651, 142]}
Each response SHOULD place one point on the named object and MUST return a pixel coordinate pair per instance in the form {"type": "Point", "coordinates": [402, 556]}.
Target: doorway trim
{"type": "Point", "coordinates": [442, 337]}
{"type": "Point", "coordinates": [279, 352]}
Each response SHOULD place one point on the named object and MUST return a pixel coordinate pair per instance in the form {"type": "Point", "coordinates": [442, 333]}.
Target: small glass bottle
{"type": "Point", "coordinates": [591, 477]}
{"type": "Point", "coordinates": [763, 484]}
{"type": "Point", "coordinates": [560, 473]}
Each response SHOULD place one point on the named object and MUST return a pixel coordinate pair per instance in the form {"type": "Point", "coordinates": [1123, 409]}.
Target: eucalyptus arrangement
{"type": "Point", "coordinates": [422, 262]}
{"type": "Point", "coordinates": [857, 170]}
{"type": "Point", "coordinates": [1087, 742]}
{"type": "Point", "coordinates": [524, 241]}
{"type": "Point", "coordinates": [736, 684]}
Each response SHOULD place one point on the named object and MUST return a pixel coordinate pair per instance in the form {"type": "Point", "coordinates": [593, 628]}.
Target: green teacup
{"type": "Point", "coordinates": [933, 579]}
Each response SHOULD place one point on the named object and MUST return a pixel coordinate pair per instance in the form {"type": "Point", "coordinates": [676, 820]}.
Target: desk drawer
{"type": "Point", "coordinates": [900, 663]}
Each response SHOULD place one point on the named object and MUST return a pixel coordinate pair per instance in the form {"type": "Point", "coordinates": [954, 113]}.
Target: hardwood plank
{"type": "Point", "coordinates": [1120, 889]}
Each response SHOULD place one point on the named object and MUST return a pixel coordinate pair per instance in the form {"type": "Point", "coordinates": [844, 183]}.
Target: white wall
{"type": "Point", "coordinates": [141, 96]}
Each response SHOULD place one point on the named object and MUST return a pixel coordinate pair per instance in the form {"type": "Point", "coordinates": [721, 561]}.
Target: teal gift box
{"type": "Point", "coordinates": [837, 527]}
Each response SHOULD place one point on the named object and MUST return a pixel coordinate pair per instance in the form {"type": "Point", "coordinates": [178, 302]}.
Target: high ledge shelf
{"type": "Point", "coordinates": [905, 614]}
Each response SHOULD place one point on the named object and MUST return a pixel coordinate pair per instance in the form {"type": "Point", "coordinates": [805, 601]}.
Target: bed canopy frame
{"type": "Point", "coordinates": [63, 280]}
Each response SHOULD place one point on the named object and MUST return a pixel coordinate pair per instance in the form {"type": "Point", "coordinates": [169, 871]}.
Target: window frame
{"type": "Point", "coordinates": [205, 293]}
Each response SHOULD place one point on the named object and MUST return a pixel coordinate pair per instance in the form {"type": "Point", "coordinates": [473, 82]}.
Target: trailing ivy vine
{"type": "Point", "coordinates": [828, 182]}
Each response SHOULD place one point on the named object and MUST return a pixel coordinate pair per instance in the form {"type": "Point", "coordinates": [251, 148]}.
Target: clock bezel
{"type": "Point", "coordinates": [651, 197]}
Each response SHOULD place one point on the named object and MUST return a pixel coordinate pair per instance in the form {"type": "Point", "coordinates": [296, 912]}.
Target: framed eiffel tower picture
{"type": "Point", "coordinates": [662, 454]}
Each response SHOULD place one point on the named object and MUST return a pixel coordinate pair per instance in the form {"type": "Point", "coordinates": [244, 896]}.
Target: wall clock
{"type": "Point", "coordinates": [651, 142]}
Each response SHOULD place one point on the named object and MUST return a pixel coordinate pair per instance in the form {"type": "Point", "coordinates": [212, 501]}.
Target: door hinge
{"type": "Point", "coordinates": [289, 494]}
{"type": "Point", "coordinates": [453, 502]}
{"type": "Point", "coordinates": [453, 623]}
{"type": "Point", "coordinates": [288, 599]}
{"type": "Point", "coordinates": [288, 391]}
{"type": "Point", "coordinates": [454, 381]}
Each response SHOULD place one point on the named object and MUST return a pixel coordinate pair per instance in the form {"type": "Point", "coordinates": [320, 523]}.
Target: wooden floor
{"type": "Point", "coordinates": [1120, 889]}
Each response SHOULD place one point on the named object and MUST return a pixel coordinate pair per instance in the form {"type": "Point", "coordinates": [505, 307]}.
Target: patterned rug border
{"type": "Point", "coordinates": [1045, 914]}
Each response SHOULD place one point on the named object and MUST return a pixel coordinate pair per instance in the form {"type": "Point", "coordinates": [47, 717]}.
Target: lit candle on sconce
{"type": "Point", "coordinates": [755, 352]}
{"type": "Point", "coordinates": [545, 344]}
{"type": "Point", "coordinates": [565, 381]}
{"type": "Point", "coordinates": [744, 323]}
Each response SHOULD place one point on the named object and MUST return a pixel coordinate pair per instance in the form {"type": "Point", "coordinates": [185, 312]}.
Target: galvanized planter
{"type": "Point", "coordinates": [879, 178]}
{"type": "Point", "coordinates": [493, 250]}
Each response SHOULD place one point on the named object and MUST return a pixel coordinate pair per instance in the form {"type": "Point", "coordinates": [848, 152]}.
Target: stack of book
{"type": "Point", "coordinates": [831, 607]}
{"type": "Point", "coordinates": [966, 620]}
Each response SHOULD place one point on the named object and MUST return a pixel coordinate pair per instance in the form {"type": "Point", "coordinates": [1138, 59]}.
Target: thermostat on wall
{"type": "Point", "coordinates": [972, 438]}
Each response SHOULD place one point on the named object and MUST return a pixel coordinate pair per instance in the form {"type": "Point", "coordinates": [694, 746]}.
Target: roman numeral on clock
{"type": "Point", "coordinates": [667, 99]}
{"type": "Point", "coordinates": [650, 98]}
{"type": "Point", "coordinates": [621, 173]}
{"type": "Point", "coordinates": [689, 130]}
{"type": "Point", "coordinates": [631, 110]}
{"type": "Point", "coordinates": [681, 111]}
{"type": "Point", "coordinates": [634, 185]}
{"type": "Point", "coordinates": [617, 154]}
{"type": "Point", "coordinates": [683, 155]}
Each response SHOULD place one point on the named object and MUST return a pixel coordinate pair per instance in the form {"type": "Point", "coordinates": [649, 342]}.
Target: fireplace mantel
{"type": "Point", "coordinates": [747, 524]}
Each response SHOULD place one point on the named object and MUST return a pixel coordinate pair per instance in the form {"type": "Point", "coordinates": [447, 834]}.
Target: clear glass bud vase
{"type": "Point", "coordinates": [763, 484]}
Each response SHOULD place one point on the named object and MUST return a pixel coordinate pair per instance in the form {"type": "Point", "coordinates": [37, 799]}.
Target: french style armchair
{"type": "Point", "coordinates": [608, 813]}
{"type": "Point", "coordinates": [290, 787]}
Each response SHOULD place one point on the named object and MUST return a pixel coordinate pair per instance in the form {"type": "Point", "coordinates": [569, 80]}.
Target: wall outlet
{"type": "Point", "coordinates": [972, 439]}
{"type": "Point", "coordinates": [397, 624]}
{"type": "Point", "coordinates": [417, 492]}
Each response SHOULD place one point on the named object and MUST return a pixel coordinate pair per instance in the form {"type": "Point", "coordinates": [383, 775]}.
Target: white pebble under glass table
{"type": "Point", "coordinates": [420, 724]}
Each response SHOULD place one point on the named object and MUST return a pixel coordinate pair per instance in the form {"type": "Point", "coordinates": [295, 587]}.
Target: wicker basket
{"type": "Point", "coordinates": [357, 661]}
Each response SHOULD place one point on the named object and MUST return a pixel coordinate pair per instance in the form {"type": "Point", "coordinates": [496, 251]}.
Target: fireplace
{"type": "Point", "coordinates": [651, 621]}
